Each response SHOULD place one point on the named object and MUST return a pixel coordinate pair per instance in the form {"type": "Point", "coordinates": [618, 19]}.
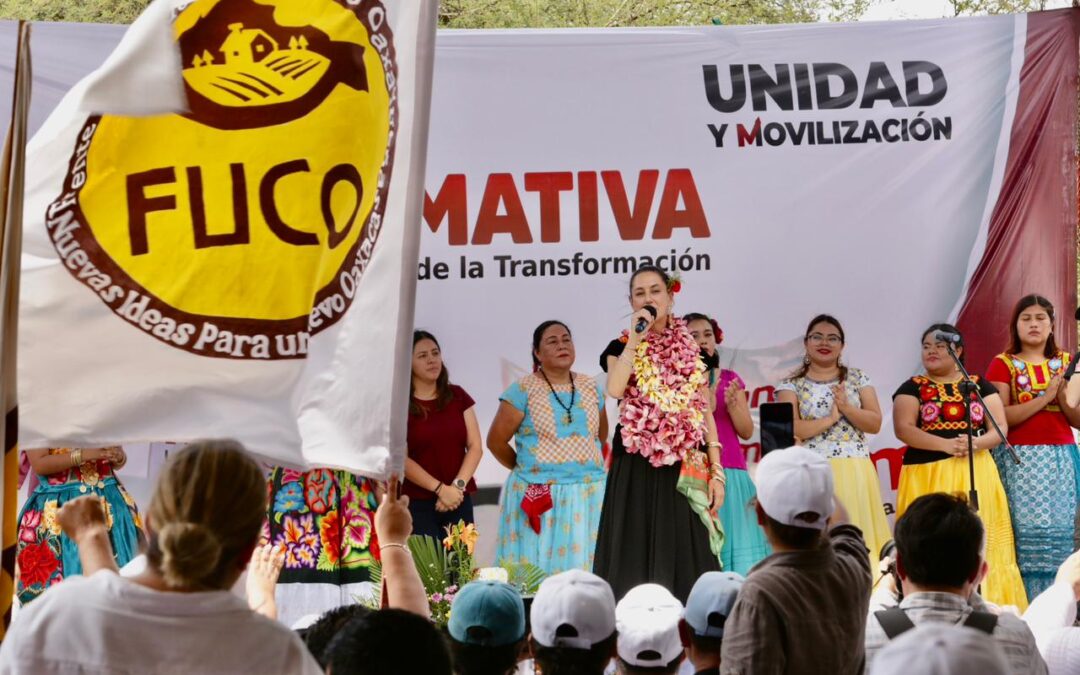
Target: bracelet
{"type": "Point", "coordinates": [716, 472]}
{"type": "Point", "coordinates": [714, 444]}
{"type": "Point", "coordinates": [437, 488]}
{"type": "Point", "coordinates": [76, 457]}
{"type": "Point", "coordinates": [403, 547]}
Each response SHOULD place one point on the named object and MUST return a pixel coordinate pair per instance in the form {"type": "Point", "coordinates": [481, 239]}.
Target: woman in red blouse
{"type": "Point", "coordinates": [1042, 491]}
{"type": "Point", "coordinates": [443, 444]}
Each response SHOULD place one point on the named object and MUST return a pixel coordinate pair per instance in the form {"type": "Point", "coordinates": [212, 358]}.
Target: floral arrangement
{"type": "Point", "coordinates": [445, 568]}
{"type": "Point", "coordinates": [663, 412]}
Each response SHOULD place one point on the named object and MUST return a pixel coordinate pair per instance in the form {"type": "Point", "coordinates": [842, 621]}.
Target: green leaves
{"type": "Point", "coordinates": [525, 577]}
{"type": "Point", "coordinates": [432, 562]}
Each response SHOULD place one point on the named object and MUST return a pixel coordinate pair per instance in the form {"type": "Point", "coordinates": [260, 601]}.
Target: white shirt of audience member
{"type": "Point", "coordinates": [106, 624]}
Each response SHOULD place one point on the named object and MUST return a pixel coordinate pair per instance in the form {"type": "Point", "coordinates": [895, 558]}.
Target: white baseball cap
{"type": "Point", "coordinates": [710, 602]}
{"type": "Point", "coordinates": [934, 648]}
{"type": "Point", "coordinates": [648, 623]}
{"type": "Point", "coordinates": [573, 609]}
{"type": "Point", "coordinates": [793, 482]}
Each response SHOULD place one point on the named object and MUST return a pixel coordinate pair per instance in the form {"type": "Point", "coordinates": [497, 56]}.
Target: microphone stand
{"type": "Point", "coordinates": [968, 387]}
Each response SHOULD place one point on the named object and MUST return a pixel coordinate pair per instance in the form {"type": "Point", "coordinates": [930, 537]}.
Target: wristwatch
{"type": "Point", "coordinates": [460, 484]}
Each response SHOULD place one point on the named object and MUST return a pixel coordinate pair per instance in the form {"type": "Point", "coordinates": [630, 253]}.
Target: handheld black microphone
{"type": "Point", "coordinates": [642, 323]}
{"type": "Point", "coordinates": [945, 336]}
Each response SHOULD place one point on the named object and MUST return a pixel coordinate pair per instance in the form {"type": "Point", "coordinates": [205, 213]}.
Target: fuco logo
{"type": "Point", "coordinates": [243, 226]}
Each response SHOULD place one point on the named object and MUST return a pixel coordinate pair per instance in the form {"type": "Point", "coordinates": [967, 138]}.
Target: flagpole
{"type": "Point", "coordinates": [12, 168]}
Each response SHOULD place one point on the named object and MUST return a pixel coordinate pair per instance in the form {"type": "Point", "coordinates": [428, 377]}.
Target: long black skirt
{"type": "Point", "coordinates": [648, 533]}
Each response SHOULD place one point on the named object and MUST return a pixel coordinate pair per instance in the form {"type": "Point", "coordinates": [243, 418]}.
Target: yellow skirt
{"type": "Point", "coordinates": [1002, 585]}
{"type": "Point", "coordinates": [855, 483]}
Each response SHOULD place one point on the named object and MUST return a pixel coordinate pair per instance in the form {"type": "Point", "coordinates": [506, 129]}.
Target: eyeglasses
{"type": "Point", "coordinates": [818, 338]}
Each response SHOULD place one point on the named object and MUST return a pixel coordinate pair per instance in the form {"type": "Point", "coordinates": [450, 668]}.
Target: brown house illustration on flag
{"type": "Point", "coordinates": [247, 46]}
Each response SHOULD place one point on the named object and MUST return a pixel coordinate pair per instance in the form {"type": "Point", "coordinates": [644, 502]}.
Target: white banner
{"type": "Point", "coordinates": [783, 171]}
{"type": "Point", "coordinates": [214, 273]}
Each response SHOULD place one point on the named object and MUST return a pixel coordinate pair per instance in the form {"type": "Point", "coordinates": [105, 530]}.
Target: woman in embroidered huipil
{"type": "Point", "coordinates": [660, 522]}
{"type": "Point", "coordinates": [550, 506]}
{"type": "Point", "coordinates": [929, 416]}
{"type": "Point", "coordinates": [1042, 490]}
{"type": "Point", "coordinates": [744, 540]}
{"type": "Point", "coordinates": [44, 554]}
{"type": "Point", "coordinates": [835, 407]}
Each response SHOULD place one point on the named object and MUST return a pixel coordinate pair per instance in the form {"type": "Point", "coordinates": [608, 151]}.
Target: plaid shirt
{"type": "Point", "coordinates": [1012, 634]}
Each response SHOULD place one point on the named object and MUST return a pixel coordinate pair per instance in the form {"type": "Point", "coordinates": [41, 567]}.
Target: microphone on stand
{"type": "Point", "coordinates": [945, 336]}
{"type": "Point", "coordinates": [643, 323]}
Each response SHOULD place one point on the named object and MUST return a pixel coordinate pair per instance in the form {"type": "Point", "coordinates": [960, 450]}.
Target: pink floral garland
{"type": "Point", "coordinates": [663, 411]}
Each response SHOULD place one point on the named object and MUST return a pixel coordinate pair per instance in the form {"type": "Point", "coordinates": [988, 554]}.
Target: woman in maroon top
{"type": "Point", "coordinates": [444, 444]}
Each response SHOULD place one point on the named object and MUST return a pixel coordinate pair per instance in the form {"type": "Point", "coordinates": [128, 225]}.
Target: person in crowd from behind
{"type": "Point", "coordinates": [835, 407]}
{"type": "Point", "coordinates": [573, 625]}
{"type": "Point", "coordinates": [802, 609]}
{"type": "Point", "coordinates": [318, 635]}
{"type": "Point", "coordinates": [388, 641]}
{"type": "Point", "coordinates": [444, 444]}
{"type": "Point", "coordinates": [744, 540]}
{"type": "Point", "coordinates": [178, 615]}
{"type": "Point", "coordinates": [707, 609]}
{"type": "Point", "coordinates": [663, 492]}
{"type": "Point", "coordinates": [1052, 617]}
{"type": "Point", "coordinates": [45, 555]}
{"type": "Point", "coordinates": [1042, 491]}
{"type": "Point", "coordinates": [647, 619]}
{"type": "Point", "coordinates": [551, 504]}
{"type": "Point", "coordinates": [942, 650]}
{"type": "Point", "coordinates": [940, 549]}
{"type": "Point", "coordinates": [487, 628]}
{"type": "Point", "coordinates": [929, 416]}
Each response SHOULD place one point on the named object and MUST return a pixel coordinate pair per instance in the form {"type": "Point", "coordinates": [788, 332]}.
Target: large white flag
{"type": "Point", "coordinates": [245, 267]}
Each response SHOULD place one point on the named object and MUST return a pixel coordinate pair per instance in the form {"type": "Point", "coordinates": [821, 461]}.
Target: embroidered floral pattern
{"type": "Point", "coordinates": [323, 519]}
{"type": "Point", "coordinates": [43, 555]}
{"type": "Point", "coordinates": [943, 406]}
{"type": "Point", "coordinates": [37, 564]}
{"type": "Point", "coordinates": [1030, 380]}
{"type": "Point", "coordinates": [663, 411]}
{"type": "Point", "coordinates": [289, 498]}
{"type": "Point", "coordinates": [300, 541]}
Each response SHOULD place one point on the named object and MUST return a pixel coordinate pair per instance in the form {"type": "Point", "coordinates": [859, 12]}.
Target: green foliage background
{"type": "Point", "coordinates": [557, 13]}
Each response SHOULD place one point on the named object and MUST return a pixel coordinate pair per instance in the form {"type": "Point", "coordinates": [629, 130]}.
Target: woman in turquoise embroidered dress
{"type": "Point", "coordinates": [550, 507]}
{"type": "Point", "coordinates": [44, 554]}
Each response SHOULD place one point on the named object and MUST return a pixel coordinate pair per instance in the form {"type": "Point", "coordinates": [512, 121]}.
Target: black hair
{"type": "Point", "coordinates": [804, 367]}
{"type": "Point", "coordinates": [538, 335]}
{"type": "Point", "coordinates": [803, 538]}
{"type": "Point", "coordinates": [443, 393]}
{"type": "Point", "coordinates": [706, 643]}
{"type": "Point", "coordinates": [472, 659]}
{"type": "Point", "coordinates": [319, 634]}
{"type": "Point", "coordinates": [388, 641]}
{"type": "Point", "coordinates": [948, 328]}
{"type": "Point", "coordinates": [1030, 300]}
{"type": "Point", "coordinates": [939, 541]}
{"type": "Point", "coordinates": [571, 661]}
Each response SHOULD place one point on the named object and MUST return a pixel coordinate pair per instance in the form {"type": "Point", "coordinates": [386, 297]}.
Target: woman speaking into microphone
{"type": "Point", "coordinates": [659, 521]}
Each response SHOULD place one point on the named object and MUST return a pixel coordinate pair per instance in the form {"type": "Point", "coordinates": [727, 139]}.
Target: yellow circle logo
{"type": "Point", "coordinates": [242, 227]}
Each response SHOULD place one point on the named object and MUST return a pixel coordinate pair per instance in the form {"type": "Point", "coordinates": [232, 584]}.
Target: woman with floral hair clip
{"type": "Point", "coordinates": [744, 540]}
{"type": "Point", "coordinates": [659, 521]}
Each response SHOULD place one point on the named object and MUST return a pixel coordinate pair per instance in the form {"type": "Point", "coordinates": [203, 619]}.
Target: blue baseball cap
{"type": "Point", "coordinates": [710, 602]}
{"type": "Point", "coordinates": [487, 613]}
